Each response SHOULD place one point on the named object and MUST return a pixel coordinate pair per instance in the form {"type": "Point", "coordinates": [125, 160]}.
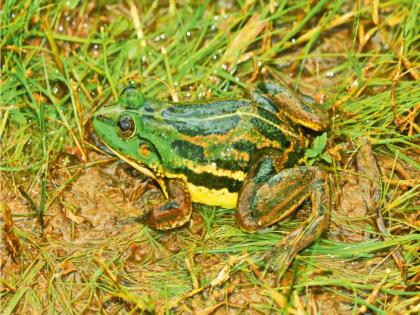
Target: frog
{"type": "Point", "coordinates": [240, 153]}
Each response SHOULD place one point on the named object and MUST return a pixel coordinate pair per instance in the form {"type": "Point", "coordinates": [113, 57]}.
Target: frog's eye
{"type": "Point", "coordinates": [129, 89]}
{"type": "Point", "coordinates": [126, 126]}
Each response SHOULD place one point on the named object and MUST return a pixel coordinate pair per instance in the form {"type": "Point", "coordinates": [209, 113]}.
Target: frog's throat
{"type": "Point", "coordinates": [142, 169]}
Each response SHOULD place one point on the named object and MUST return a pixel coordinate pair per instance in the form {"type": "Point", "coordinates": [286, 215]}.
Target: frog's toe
{"type": "Point", "coordinates": [278, 262]}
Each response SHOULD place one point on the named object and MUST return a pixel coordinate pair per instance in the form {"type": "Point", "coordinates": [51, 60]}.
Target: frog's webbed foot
{"type": "Point", "coordinates": [267, 197]}
{"type": "Point", "coordinates": [174, 212]}
{"type": "Point", "coordinates": [300, 111]}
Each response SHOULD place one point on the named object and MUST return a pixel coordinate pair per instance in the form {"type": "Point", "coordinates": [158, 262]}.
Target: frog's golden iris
{"type": "Point", "coordinates": [239, 153]}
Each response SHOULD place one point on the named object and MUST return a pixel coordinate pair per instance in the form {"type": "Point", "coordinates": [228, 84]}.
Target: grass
{"type": "Point", "coordinates": [62, 60]}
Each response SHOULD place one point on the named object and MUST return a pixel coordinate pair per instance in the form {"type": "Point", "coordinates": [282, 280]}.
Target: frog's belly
{"type": "Point", "coordinates": [212, 197]}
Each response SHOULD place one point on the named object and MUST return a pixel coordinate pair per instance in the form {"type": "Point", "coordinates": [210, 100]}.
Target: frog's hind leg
{"type": "Point", "coordinates": [300, 110]}
{"type": "Point", "coordinates": [174, 212]}
{"type": "Point", "coordinates": [267, 197]}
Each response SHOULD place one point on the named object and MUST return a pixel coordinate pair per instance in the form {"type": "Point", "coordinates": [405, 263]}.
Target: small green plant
{"type": "Point", "coordinates": [315, 152]}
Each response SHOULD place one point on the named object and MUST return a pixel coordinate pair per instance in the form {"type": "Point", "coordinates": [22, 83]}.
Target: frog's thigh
{"type": "Point", "coordinates": [264, 202]}
{"type": "Point", "coordinates": [298, 110]}
{"type": "Point", "coordinates": [174, 212]}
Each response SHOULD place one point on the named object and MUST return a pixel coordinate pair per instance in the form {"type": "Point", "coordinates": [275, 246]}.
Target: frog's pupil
{"type": "Point", "coordinates": [126, 126]}
{"type": "Point", "coordinates": [125, 123]}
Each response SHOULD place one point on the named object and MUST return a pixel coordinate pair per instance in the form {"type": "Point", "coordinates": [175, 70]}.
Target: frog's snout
{"type": "Point", "coordinates": [100, 117]}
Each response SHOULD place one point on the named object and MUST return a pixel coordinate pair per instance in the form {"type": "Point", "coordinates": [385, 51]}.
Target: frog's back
{"type": "Point", "coordinates": [213, 143]}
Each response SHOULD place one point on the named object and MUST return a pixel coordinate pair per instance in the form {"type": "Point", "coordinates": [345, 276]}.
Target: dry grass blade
{"type": "Point", "coordinates": [242, 39]}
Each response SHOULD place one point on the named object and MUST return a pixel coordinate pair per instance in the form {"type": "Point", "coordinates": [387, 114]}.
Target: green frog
{"type": "Point", "coordinates": [232, 153]}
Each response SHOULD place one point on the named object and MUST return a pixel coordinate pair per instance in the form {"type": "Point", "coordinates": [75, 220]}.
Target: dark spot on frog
{"type": "Point", "coordinates": [188, 150]}
{"type": "Point", "coordinates": [205, 119]}
{"type": "Point", "coordinates": [245, 146]}
{"type": "Point", "coordinates": [202, 127]}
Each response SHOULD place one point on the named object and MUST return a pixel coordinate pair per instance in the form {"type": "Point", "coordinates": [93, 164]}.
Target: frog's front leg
{"type": "Point", "coordinates": [174, 212]}
{"type": "Point", "coordinates": [267, 197]}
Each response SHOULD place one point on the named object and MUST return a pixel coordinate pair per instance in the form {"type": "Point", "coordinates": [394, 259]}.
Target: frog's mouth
{"type": "Point", "coordinates": [139, 167]}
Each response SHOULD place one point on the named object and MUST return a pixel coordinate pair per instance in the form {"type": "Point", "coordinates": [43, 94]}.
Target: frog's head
{"type": "Point", "coordinates": [120, 128]}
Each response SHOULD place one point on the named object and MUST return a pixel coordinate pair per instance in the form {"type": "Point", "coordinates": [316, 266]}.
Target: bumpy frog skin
{"type": "Point", "coordinates": [236, 153]}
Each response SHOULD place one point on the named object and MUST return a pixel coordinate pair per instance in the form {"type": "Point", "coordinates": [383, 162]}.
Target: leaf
{"type": "Point", "coordinates": [320, 142]}
{"type": "Point", "coordinates": [311, 153]}
{"type": "Point", "coordinates": [311, 162]}
{"type": "Point", "coordinates": [318, 146]}
{"type": "Point", "coordinates": [326, 157]}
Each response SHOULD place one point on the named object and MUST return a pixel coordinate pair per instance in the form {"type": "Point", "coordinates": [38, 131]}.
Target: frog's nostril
{"type": "Point", "coordinates": [100, 117]}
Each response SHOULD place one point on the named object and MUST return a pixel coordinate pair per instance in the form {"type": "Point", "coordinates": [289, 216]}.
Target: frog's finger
{"type": "Point", "coordinates": [174, 212]}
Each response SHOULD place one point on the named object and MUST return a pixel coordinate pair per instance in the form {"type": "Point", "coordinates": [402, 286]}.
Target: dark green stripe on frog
{"type": "Point", "coordinates": [209, 180]}
{"type": "Point", "coordinates": [204, 119]}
